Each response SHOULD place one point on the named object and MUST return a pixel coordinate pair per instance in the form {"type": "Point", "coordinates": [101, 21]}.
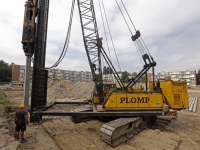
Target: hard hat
{"type": "Point", "coordinates": [21, 106]}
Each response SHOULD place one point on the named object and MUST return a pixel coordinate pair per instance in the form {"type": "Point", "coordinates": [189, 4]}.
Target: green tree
{"type": "Point", "coordinates": [198, 77]}
{"type": "Point", "coordinates": [143, 79]}
{"type": "Point", "coordinates": [134, 74]}
{"type": "Point", "coordinates": [104, 70]}
{"type": "Point", "coordinates": [107, 70]}
{"type": "Point", "coordinates": [124, 77]}
{"type": "Point", "coordinates": [5, 71]}
{"type": "Point", "coordinates": [119, 72]}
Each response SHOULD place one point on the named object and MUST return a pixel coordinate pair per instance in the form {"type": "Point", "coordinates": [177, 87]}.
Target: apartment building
{"type": "Point", "coordinates": [18, 75]}
{"type": "Point", "coordinates": [71, 76]}
{"type": "Point", "coordinates": [110, 78]}
{"type": "Point", "coordinates": [189, 76]}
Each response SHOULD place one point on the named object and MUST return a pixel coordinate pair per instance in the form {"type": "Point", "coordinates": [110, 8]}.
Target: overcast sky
{"type": "Point", "coordinates": [170, 29]}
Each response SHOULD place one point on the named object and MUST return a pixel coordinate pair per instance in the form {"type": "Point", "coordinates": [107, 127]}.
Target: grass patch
{"type": "Point", "coordinates": [3, 101]}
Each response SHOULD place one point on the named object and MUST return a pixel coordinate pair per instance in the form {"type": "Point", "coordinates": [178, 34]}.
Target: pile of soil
{"type": "Point", "coordinates": [78, 90]}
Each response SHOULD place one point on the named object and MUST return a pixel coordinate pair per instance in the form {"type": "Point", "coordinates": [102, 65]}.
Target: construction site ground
{"type": "Point", "coordinates": [55, 133]}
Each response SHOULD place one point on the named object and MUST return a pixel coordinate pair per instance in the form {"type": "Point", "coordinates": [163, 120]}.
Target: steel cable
{"type": "Point", "coordinates": [128, 15]}
{"type": "Point", "coordinates": [68, 35]}
{"type": "Point", "coordinates": [124, 17]}
{"type": "Point", "coordinates": [111, 35]}
{"type": "Point", "coordinates": [65, 47]}
{"type": "Point", "coordinates": [143, 45]}
{"type": "Point", "coordinates": [104, 28]}
{"type": "Point", "coordinates": [138, 53]}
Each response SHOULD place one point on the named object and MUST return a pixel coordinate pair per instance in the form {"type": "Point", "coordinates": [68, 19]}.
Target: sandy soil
{"type": "Point", "coordinates": [74, 91]}
{"type": "Point", "coordinates": [61, 133]}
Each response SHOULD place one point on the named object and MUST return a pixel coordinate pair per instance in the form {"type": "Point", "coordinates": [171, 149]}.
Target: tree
{"type": "Point", "coordinates": [198, 77]}
{"type": "Point", "coordinates": [119, 72]}
{"type": "Point", "coordinates": [124, 77]}
{"type": "Point", "coordinates": [143, 79]}
{"type": "Point", "coordinates": [5, 71]}
{"type": "Point", "coordinates": [134, 74]}
{"type": "Point", "coordinates": [104, 70]}
{"type": "Point", "coordinates": [107, 70]}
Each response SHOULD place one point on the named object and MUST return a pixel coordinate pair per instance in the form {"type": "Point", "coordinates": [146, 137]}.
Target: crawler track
{"type": "Point", "coordinates": [78, 119]}
{"type": "Point", "coordinates": [120, 130]}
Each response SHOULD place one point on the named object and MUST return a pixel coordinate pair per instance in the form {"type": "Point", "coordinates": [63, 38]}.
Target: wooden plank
{"type": "Point", "coordinates": [192, 104]}
{"type": "Point", "coordinates": [190, 99]}
{"type": "Point", "coordinates": [195, 105]}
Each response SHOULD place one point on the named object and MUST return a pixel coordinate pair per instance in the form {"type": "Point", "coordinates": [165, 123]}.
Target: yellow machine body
{"type": "Point", "coordinates": [134, 101]}
{"type": "Point", "coordinates": [175, 92]}
{"type": "Point", "coordinates": [96, 99]}
{"type": "Point", "coordinates": [108, 88]}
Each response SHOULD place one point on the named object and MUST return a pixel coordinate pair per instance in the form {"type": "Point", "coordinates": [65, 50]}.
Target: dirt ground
{"type": "Point", "coordinates": [55, 133]}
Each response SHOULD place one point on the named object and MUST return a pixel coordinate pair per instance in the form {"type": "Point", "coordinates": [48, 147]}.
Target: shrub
{"type": "Point", "coordinates": [3, 101]}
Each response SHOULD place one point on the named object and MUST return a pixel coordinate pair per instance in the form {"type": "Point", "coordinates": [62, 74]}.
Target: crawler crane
{"type": "Point", "coordinates": [161, 96]}
{"type": "Point", "coordinates": [133, 108]}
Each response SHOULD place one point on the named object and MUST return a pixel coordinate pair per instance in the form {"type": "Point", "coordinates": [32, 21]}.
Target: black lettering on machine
{"type": "Point", "coordinates": [134, 99]}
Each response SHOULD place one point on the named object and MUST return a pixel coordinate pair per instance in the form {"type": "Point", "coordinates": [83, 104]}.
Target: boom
{"type": "Point", "coordinates": [92, 42]}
